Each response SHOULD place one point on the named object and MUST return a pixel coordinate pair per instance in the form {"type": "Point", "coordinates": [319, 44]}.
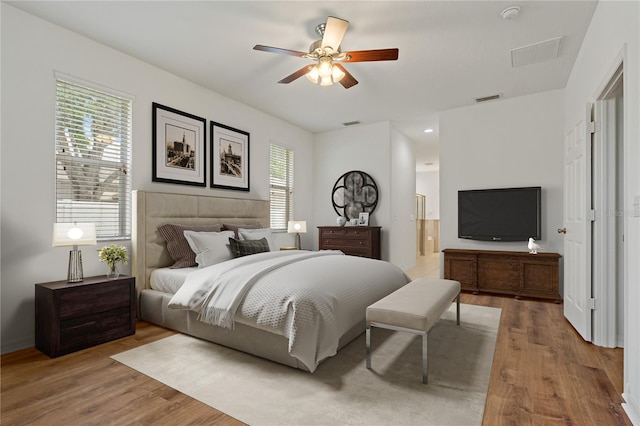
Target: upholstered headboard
{"type": "Point", "coordinates": [153, 209]}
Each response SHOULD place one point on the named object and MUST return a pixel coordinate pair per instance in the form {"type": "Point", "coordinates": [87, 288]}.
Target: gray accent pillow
{"type": "Point", "coordinates": [234, 228]}
{"type": "Point", "coordinates": [177, 244]}
{"type": "Point", "coordinates": [241, 248]}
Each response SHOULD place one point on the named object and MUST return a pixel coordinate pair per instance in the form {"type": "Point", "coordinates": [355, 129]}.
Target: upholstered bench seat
{"type": "Point", "coordinates": [414, 308]}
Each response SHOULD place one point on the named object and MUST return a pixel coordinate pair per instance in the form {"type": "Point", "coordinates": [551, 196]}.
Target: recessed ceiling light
{"type": "Point", "coordinates": [428, 130]}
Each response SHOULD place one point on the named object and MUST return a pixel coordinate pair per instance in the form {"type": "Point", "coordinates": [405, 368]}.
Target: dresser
{"type": "Point", "coordinates": [505, 272]}
{"type": "Point", "coordinates": [74, 316]}
{"type": "Point", "coordinates": [361, 241]}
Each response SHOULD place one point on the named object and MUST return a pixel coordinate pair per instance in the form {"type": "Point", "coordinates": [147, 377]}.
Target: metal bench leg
{"type": "Point", "coordinates": [425, 368]}
{"type": "Point", "coordinates": [458, 309]}
{"type": "Point", "coordinates": [368, 344]}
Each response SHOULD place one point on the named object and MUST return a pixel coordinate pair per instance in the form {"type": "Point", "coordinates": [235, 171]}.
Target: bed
{"type": "Point", "coordinates": [150, 256]}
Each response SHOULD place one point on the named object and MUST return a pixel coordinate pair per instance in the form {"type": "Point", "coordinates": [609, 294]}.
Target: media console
{"type": "Point", "coordinates": [505, 272]}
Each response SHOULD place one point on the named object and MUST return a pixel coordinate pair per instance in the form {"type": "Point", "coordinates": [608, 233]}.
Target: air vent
{"type": "Point", "coordinates": [537, 52]}
{"type": "Point", "coordinates": [488, 98]}
{"type": "Point", "coordinates": [351, 123]}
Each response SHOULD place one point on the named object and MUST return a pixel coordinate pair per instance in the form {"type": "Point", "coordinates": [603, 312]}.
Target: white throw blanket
{"type": "Point", "coordinates": [220, 288]}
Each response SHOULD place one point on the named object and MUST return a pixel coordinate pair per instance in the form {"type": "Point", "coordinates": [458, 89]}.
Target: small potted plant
{"type": "Point", "coordinates": [113, 254]}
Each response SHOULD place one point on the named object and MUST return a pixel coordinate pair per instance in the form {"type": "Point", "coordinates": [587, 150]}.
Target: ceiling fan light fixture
{"type": "Point", "coordinates": [337, 74]}
{"type": "Point", "coordinates": [325, 67]}
{"type": "Point", "coordinates": [313, 75]}
{"type": "Point", "coordinates": [326, 81]}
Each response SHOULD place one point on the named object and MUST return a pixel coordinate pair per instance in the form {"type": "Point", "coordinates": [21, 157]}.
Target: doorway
{"type": "Point", "coordinates": [608, 198]}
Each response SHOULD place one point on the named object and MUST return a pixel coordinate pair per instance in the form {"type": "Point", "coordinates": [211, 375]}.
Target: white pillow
{"type": "Point", "coordinates": [210, 247]}
{"type": "Point", "coordinates": [257, 234]}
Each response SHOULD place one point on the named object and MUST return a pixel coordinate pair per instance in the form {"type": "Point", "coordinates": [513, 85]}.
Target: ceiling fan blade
{"type": "Point", "coordinates": [278, 50]}
{"type": "Point", "coordinates": [334, 31]}
{"type": "Point", "coordinates": [296, 75]}
{"type": "Point", "coordinates": [372, 55]}
{"type": "Point", "coordinates": [348, 80]}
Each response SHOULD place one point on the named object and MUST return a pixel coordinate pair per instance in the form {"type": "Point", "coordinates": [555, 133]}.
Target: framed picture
{"type": "Point", "coordinates": [229, 158]}
{"type": "Point", "coordinates": [179, 148]}
{"type": "Point", "coordinates": [363, 219]}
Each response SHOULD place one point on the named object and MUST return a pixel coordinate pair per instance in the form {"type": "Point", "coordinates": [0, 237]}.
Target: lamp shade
{"type": "Point", "coordinates": [299, 226]}
{"type": "Point", "coordinates": [74, 234]}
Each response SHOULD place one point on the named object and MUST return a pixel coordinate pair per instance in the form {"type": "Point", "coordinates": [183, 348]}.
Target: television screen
{"type": "Point", "coordinates": [505, 214]}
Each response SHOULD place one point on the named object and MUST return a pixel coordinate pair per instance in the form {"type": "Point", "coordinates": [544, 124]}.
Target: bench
{"type": "Point", "coordinates": [413, 308]}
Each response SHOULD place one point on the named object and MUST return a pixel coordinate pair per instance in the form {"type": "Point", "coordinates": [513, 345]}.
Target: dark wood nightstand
{"type": "Point", "coordinates": [74, 316]}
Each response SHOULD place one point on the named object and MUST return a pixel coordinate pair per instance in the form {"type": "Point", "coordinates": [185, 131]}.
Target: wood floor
{"type": "Point", "coordinates": [543, 374]}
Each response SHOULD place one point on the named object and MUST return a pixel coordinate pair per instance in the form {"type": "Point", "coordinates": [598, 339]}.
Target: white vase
{"type": "Point", "coordinates": [341, 220]}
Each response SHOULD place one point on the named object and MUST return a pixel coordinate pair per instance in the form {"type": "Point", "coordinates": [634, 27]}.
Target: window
{"type": "Point", "coordinates": [93, 158]}
{"type": "Point", "coordinates": [281, 186]}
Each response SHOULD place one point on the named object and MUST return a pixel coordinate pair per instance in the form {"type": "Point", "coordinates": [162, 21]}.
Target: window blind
{"type": "Point", "coordinates": [93, 159]}
{"type": "Point", "coordinates": [281, 186]}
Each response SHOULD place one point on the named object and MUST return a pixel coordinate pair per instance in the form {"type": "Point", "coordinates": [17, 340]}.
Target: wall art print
{"type": "Point", "coordinates": [179, 146]}
{"type": "Point", "coordinates": [354, 192]}
{"type": "Point", "coordinates": [229, 158]}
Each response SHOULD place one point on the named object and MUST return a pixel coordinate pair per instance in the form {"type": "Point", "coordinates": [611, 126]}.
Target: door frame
{"type": "Point", "coordinates": [605, 283]}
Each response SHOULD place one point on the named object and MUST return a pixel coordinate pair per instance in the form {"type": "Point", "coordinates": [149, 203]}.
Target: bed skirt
{"type": "Point", "coordinates": [255, 341]}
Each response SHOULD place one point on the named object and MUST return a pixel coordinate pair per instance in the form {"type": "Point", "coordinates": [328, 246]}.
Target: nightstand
{"type": "Point", "coordinates": [74, 316]}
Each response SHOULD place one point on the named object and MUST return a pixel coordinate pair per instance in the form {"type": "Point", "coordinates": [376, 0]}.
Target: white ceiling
{"type": "Point", "coordinates": [451, 52]}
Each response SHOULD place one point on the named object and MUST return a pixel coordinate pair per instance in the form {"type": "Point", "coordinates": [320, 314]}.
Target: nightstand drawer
{"type": "Point", "coordinates": [94, 329]}
{"type": "Point", "coordinates": [98, 298]}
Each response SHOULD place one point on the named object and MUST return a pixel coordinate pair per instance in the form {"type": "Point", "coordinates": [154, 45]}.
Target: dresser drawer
{"type": "Point", "coordinates": [333, 243]}
{"type": "Point", "coordinates": [98, 298]}
{"type": "Point", "coordinates": [352, 240]}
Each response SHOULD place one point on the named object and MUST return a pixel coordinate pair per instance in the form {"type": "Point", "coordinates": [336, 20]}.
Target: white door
{"type": "Point", "coordinates": [577, 226]}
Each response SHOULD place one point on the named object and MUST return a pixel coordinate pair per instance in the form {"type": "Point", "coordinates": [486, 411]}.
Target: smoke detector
{"type": "Point", "coordinates": [510, 12]}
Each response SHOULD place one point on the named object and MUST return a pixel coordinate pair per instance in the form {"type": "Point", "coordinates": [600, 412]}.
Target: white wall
{"type": "Point", "coordinates": [612, 34]}
{"type": "Point", "coordinates": [403, 201]}
{"type": "Point", "coordinates": [360, 147]}
{"type": "Point", "coordinates": [501, 144]}
{"type": "Point", "coordinates": [428, 184]}
{"type": "Point", "coordinates": [389, 157]}
{"type": "Point", "coordinates": [32, 50]}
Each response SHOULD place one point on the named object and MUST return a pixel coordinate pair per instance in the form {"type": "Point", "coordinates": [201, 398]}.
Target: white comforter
{"type": "Point", "coordinates": [311, 298]}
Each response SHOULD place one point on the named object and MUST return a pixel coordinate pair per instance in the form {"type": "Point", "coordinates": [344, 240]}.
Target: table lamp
{"type": "Point", "coordinates": [297, 226]}
{"type": "Point", "coordinates": [74, 234]}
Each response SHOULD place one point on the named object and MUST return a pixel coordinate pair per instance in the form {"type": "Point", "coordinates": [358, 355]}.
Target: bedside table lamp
{"type": "Point", "coordinates": [297, 226]}
{"type": "Point", "coordinates": [74, 234]}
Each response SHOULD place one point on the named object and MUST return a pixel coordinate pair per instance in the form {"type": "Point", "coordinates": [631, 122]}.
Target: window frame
{"type": "Point", "coordinates": [282, 212]}
{"type": "Point", "coordinates": [109, 155]}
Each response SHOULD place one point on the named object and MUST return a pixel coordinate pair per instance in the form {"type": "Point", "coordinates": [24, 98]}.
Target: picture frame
{"type": "Point", "coordinates": [230, 162]}
{"type": "Point", "coordinates": [363, 219]}
{"type": "Point", "coordinates": [179, 146]}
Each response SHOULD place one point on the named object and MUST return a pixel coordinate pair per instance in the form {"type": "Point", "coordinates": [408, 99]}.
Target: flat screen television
{"type": "Point", "coordinates": [504, 214]}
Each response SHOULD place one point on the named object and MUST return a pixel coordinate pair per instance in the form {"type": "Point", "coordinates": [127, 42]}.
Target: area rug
{"type": "Point", "coordinates": [342, 391]}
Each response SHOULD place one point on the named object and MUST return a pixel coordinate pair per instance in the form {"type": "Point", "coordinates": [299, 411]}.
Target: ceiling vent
{"type": "Point", "coordinates": [537, 52]}
{"type": "Point", "coordinates": [489, 98]}
{"type": "Point", "coordinates": [351, 123]}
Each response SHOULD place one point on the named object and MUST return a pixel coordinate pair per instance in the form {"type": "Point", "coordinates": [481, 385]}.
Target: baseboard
{"type": "Point", "coordinates": [16, 345]}
{"type": "Point", "coordinates": [632, 408]}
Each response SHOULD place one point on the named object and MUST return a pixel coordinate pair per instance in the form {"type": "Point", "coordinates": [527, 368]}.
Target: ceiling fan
{"type": "Point", "coordinates": [327, 55]}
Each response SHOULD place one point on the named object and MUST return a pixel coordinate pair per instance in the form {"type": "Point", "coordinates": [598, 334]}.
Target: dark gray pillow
{"type": "Point", "coordinates": [177, 244]}
{"type": "Point", "coordinates": [241, 248]}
